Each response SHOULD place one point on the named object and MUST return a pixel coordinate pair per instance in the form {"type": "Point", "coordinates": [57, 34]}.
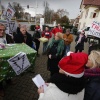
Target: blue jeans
{"type": "Point", "coordinates": [67, 49]}
{"type": "Point", "coordinates": [45, 46]}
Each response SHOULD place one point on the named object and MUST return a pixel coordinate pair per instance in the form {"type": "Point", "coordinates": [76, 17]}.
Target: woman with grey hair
{"type": "Point", "coordinates": [92, 88]}
{"type": "Point", "coordinates": [5, 38]}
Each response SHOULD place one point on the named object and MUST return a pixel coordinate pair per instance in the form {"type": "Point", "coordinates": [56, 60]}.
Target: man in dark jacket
{"type": "Point", "coordinates": [23, 37]}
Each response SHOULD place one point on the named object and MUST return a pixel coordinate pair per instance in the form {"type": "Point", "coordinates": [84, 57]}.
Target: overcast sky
{"type": "Point", "coordinates": [72, 6]}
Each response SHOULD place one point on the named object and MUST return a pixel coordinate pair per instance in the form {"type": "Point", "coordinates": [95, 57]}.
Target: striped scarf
{"type": "Point", "coordinates": [92, 72]}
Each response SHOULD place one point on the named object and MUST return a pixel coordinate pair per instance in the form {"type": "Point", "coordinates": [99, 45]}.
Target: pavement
{"type": "Point", "coordinates": [25, 89]}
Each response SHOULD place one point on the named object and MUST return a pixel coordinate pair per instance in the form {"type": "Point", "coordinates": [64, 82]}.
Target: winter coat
{"type": "Point", "coordinates": [9, 39]}
{"type": "Point", "coordinates": [69, 37]}
{"type": "Point", "coordinates": [52, 64]}
{"type": "Point", "coordinates": [46, 34]}
{"type": "Point", "coordinates": [92, 88]}
{"type": "Point", "coordinates": [19, 38]}
{"type": "Point", "coordinates": [55, 30]}
{"type": "Point", "coordinates": [63, 87]}
{"type": "Point", "coordinates": [80, 46]}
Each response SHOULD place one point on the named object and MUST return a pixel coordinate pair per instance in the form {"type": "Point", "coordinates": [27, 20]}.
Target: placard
{"type": "Point", "coordinates": [95, 29]}
{"type": "Point", "coordinates": [19, 63]}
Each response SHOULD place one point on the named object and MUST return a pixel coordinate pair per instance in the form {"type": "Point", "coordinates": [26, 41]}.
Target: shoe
{"type": "Point", "coordinates": [2, 93]}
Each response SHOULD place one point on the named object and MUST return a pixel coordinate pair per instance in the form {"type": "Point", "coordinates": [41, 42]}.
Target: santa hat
{"type": "Point", "coordinates": [73, 65]}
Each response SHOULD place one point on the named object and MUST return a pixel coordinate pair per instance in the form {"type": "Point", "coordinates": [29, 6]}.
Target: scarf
{"type": "Point", "coordinates": [67, 84]}
{"type": "Point", "coordinates": [92, 72]}
{"type": "Point", "coordinates": [60, 46]}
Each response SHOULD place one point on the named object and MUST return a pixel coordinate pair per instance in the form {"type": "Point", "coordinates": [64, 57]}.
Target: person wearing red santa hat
{"type": "Point", "coordinates": [69, 83]}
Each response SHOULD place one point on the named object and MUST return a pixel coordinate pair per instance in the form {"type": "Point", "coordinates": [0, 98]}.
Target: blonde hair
{"type": "Point", "coordinates": [95, 58]}
{"type": "Point", "coordinates": [60, 35]}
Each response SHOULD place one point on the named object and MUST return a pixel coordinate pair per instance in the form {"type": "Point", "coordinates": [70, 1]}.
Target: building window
{"type": "Point", "coordinates": [94, 14]}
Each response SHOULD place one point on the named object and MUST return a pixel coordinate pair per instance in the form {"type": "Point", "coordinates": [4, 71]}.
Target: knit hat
{"type": "Point", "coordinates": [73, 64]}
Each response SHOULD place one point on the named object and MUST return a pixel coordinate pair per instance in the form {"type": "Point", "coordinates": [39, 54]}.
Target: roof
{"type": "Point", "coordinates": [91, 2]}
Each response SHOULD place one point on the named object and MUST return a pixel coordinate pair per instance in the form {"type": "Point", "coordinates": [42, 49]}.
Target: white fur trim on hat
{"type": "Point", "coordinates": [68, 53]}
{"type": "Point", "coordinates": [74, 75]}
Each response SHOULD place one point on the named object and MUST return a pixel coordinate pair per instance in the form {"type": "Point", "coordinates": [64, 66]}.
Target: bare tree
{"type": "Point", "coordinates": [19, 10]}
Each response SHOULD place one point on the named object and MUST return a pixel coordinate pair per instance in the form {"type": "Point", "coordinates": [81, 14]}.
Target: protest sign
{"type": "Point", "coordinates": [95, 29]}
{"type": "Point", "coordinates": [12, 27]}
{"type": "Point", "coordinates": [8, 14]}
{"type": "Point", "coordinates": [19, 63]}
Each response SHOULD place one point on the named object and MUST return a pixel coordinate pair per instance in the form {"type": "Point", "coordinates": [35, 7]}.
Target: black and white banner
{"type": "Point", "coordinates": [95, 29]}
{"type": "Point", "coordinates": [8, 14]}
{"type": "Point", "coordinates": [19, 62]}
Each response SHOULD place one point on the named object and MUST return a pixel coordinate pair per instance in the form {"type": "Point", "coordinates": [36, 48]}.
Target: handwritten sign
{"type": "Point", "coordinates": [19, 63]}
{"type": "Point", "coordinates": [8, 14]}
{"type": "Point", "coordinates": [95, 29]}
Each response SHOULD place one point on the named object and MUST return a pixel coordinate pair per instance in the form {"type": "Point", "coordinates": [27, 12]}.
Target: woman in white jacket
{"type": "Point", "coordinates": [68, 84]}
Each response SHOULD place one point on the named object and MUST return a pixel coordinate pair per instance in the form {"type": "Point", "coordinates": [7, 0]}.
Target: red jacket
{"type": "Point", "coordinates": [37, 27]}
{"type": "Point", "coordinates": [46, 34]}
{"type": "Point", "coordinates": [55, 30]}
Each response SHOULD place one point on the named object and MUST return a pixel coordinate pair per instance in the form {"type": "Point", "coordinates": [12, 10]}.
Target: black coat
{"type": "Point", "coordinates": [80, 46]}
{"type": "Point", "coordinates": [9, 39]}
{"type": "Point", "coordinates": [68, 84]}
{"type": "Point", "coordinates": [92, 89]}
{"type": "Point", "coordinates": [52, 64]}
{"type": "Point", "coordinates": [19, 38]}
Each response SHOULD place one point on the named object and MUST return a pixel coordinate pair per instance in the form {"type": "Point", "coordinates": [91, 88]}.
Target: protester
{"type": "Point", "coordinates": [55, 49]}
{"type": "Point", "coordinates": [57, 29]}
{"type": "Point", "coordinates": [47, 34]}
{"type": "Point", "coordinates": [37, 27]}
{"type": "Point", "coordinates": [80, 39]}
{"type": "Point", "coordinates": [92, 88]}
{"type": "Point", "coordinates": [23, 37]}
{"type": "Point", "coordinates": [4, 38]}
{"type": "Point", "coordinates": [69, 83]}
{"type": "Point", "coordinates": [68, 38]}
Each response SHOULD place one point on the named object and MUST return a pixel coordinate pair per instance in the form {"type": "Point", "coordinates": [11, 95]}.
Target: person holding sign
{"type": "Point", "coordinates": [80, 41]}
{"type": "Point", "coordinates": [46, 34]}
{"type": "Point", "coordinates": [69, 83]}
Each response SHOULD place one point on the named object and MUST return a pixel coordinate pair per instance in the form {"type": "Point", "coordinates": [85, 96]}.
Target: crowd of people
{"type": "Point", "coordinates": [73, 75]}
